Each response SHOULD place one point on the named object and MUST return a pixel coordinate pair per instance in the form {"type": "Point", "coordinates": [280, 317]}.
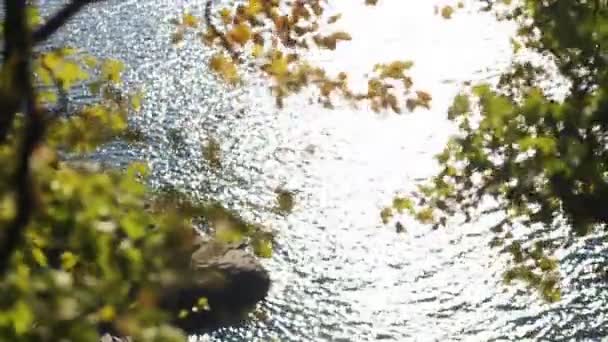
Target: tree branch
{"type": "Point", "coordinates": [9, 104]}
{"type": "Point", "coordinates": [225, 42]}
{"type": "Point", "coordinates": [18, 50]}
{"type": "Point", "coordinates": [58, 20]}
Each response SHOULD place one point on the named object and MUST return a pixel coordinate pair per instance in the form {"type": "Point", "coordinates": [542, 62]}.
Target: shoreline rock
{"type": "Point", "coordinates": [231, 279]}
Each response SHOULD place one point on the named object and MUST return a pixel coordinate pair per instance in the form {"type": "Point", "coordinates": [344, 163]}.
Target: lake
{"type": "Point", "coordinates": [338, 273]}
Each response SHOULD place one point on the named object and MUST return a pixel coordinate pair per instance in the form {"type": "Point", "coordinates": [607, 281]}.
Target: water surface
{"type": "Point", "coordinates": [338, 274]}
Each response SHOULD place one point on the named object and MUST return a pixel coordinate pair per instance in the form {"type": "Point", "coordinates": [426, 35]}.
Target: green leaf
{"type": "Point", "coordinates": [403, 204]}
{"type": "Point", "coordinates": [23, 317]}
{"type": "Point", "coordinates": [460, 106]}
{"type": "Point", "coordinates": [386, 215]}
{"type": "Point", "coordinates": [133, 226]}
{"type": "Point", "coordinates": [262, 248]}
{"type": "Point", "coordinates": [68, 260]}
{"type": "Point", "coordinates": [285, 200]}
{"type": "Point", "coordinates": [40, 257]}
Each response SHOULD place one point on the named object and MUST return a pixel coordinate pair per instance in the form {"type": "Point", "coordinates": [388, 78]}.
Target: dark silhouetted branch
{"type": "Point", "coordinates": [18, 50]}
{"type": "Point", "coordinates": [59, 19]}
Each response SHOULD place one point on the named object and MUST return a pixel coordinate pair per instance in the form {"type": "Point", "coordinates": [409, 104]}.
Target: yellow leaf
{"type": "Point", "coordinates": [68, 260]}
{"type": "Point", "coordinates": [279, 66]}
{"type": "Point", "coordinates": [68, 51]}
{"type": "Point", "coordinates": [254, 7]}
{"type": "Point", "coordinates": [227, 234]}
{"type": "Point", "coordinates": [447, 11]}
{"type": "Point", "coordinates": [44, 75]}
{"type": "Point", "coordinates": [39, 257]}
{"type": "Point", "coordinates": [285, 200]}
{"type": "Point", "coordinates": [22, 317]}
{"type": "Point", "coordinates": [426, 216]}
{"type": "Point", "coordinates": [136, 101]}
{"type": "Point", "coordinates": [226, 15]}
{"type": "Point", "coordinates": [189, 20]}
{"type": "Point", "coordinates": [90, 61]}
{"type": "Point", "coordinates": [33, 16]}
{"type": "Point", "coordinates": [49, 97]}
{"type": "Point", "coordinates": [107, 313]}
{"type": "Point", "coordinates": [262, 248]}
{"type": "Point", "coordinates": [51, 60]}
{"type": "Point", "coordinates": [203, 304]}
{"type": "Point", "coordinates": [70, 73]}
{"type": "Point", "coordinates": [225, 67]}
{"type": "Point", "coordinates": [240, 33]}
{"type": "Point", "coordinates": [8, 207]}
{"type": "Point", "coordinates": [424, 98]}
{"type": "Point", "coordinates": [386, 215]}
{"type": "Point", "coordinates": [393, 70]}
{"type": "Point", "coordinates": [183, 314]}
{"type": "Point", "coordinates": [257, 50]}
{"type": "Point", "coordinates": [111, 70]}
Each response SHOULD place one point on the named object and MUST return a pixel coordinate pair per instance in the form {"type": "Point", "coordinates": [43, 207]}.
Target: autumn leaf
{"type": "Point", "coordinates": [254, 7]}
{"type": "Point", "coordinates": [240, 33]}
{"type": "Point", "coordinates": [424, 98]}
{"type": "Point", "coordinates": [447, 11]}
{"type": "Point", "coordinates": [278, 66]}
{"type": "Point", "coordinates": [257, 50]}
{"type": "Point", "coordinates": [224, 67]}
{"type": "Point", "coordinates": [226, 15]}
{"type": "Point", "coordinates": [190, 20]}
{"type": "Point", "coordinates": [111, 70]}
{"type": "Point", "coordinates": [285, 200]}
{"type": "Point", "coordinates": [334, 18]}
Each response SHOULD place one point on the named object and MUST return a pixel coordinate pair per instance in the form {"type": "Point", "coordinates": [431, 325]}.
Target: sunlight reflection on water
{"type": "Point", "coordinates": [338, 274]}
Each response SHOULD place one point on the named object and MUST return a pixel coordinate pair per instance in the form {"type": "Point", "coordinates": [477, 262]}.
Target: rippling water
{"type": "Point", "coordinates": [338, 274]}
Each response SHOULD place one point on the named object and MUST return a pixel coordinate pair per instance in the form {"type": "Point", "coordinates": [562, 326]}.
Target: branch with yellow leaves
{"type": "Point", "coordinates": [213, 29]}
{"type": "Point", "coordinates": [275, 33]}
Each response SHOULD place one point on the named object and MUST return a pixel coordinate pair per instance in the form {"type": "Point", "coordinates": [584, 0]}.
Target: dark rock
{"type": "Point", "coordinates": [231, 279]}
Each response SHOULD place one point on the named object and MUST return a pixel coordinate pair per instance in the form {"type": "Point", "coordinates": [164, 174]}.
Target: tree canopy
{"type": "Point", "coordinates": [536, 157]}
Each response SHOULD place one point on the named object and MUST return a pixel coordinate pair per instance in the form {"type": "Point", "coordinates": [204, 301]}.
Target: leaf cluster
{"type": "Point", "coordinates": [536, 159]}
{"type": "Point", "coordinates": [274, 36]}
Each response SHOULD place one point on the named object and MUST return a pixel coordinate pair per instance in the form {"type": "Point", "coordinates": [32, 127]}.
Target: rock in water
{"type": "Point", "coordinates": [231, 279]}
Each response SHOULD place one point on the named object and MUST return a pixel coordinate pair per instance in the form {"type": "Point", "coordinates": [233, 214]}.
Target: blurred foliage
{"type": "Point", "coordinates": [97, 248]}
{"type": "Point", "coordinates": [538, 160]}
{"type": "Point", "coordinates": [92, 255]}
{"type": "Point", "coordinates": [212, 153]}
{"type": "Point", "coordinates": [285, 201]}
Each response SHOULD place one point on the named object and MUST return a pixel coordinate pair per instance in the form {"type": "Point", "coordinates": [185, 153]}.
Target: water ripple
{"type": "Point", "coordinates": [338, 274]}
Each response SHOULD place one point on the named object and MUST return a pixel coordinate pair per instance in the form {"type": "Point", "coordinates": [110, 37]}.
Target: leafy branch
{"type": "Point", "coordinates": [17, 53]}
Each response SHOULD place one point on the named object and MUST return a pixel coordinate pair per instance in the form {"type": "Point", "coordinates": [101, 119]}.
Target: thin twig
{"type": "Point", "coordinates": [225, 42]}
